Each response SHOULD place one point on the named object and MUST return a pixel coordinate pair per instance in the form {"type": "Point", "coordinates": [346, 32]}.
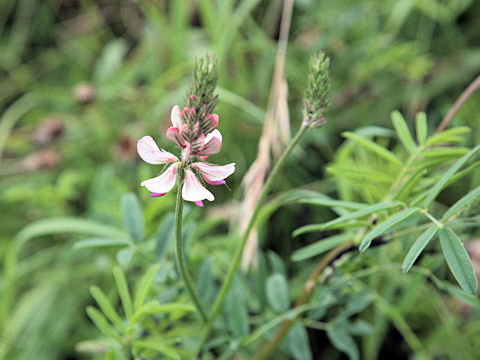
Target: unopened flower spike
{"type": "Point", "coordinates": [194, 131]}
{"type": "Point", "coordinates": [316, 97]}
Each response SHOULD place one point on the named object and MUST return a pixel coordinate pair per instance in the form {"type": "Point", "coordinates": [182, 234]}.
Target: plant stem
{"type": "Point", "coordinates": [182, 265]}
{"type": "Point", "coordinates": [239, 250]}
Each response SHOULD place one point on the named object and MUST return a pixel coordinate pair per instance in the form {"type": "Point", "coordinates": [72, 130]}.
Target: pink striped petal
{"type": "Point", "coordinates": [193, 190]}
{"type": "Point", "coordinates": [150, 153]}
{"type": "Point", "coordinates": [212, 173]}
{"type": "Point", "coordinates": [212, 143]}
{"type": "Point", "coordinates": [163, 183]}
{"type": "Point", "coordinates": [175, 117]}
{"type": "Point", "coordinates": [174, 134]}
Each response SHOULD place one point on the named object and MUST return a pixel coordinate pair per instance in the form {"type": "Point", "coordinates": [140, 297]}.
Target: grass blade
{"type": "Point", "coordinates": [320, 247]}
{"type": "Point", "coordinates": [421, 127]}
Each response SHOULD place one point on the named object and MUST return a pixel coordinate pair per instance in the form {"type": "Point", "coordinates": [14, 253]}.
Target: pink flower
{"type": "Point", "coordinates": [150, 153]}
{"type": "Point", "coordinates": [214, 174]}
{"type": "Point", "coordinates": [198, 139]}
{"type": "Point", "coordinates": [194, 191]}
{"type": "Point", "coordinates": [162, 184]}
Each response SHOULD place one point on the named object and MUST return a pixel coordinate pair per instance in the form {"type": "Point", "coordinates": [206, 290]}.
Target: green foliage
{"type": "Point", "coordinates": [110, 74]}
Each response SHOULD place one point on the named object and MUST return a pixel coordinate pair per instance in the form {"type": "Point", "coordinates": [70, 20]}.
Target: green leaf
{"type": "Point", "coordinates": [144, 286]}
{"type": "Point", "coordinates": [417, 247]}
{"type": "Point", "coordinates": [68, 225]}
{"type": "Point", "coordinates": [164, 236]}
{"type": "Point", "coordinates": [432, 194]}
{"type": "Point", "coordinates": [320, 247]}
{"type": "Point", "coordinates": [402, 131]}
{"type": "Point", "coordinates": [153, 307]}
{"type": "Point", "coordinates": [458, 260]}
{"type": "Point", "coordinates": [99, 242]}
{"type": "Point", "coordinates": [123, 291]}
{"type": "Point", "coordinates": [125, 255]}
{"type": "Point", "coordinates": [328, 202]}
{"type": "Point", "coordinates": [447, 136]}
{"type": "Point", "coordinates": [102, 324]}
{"type": "Point", "coordinates": [387, 224]}
{"type": "Point", "coordinates": [167, 350]}
{"type": "Point", "coordinates": [238, 315]}
{"type": "Point", "coordinates": [277, 293]}
{"type": "Point", "coordinates": [467, 298]}
{"type": "Point", "coordinates": [297, 343]}
{"type": "Point", "coordinates": [106, 307]}
{"type": "Point", "coordinates": [343, 341]}
{"type": "Point", "coordinates": [352, 216]}
{"type": "Point", "coordinates": [421, 127]}
{"type": "Point", "coordinates": [455, 208]}
{"type": "Point", "coordinates": [370, 145]}
{"type": "Point", "coordinates": [132, 217]}
{"type": "Point", "coordinates": [408, 187]}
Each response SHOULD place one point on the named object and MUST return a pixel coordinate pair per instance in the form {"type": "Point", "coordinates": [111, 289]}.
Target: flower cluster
{"type": "Point", "coordinates": [198, 138]}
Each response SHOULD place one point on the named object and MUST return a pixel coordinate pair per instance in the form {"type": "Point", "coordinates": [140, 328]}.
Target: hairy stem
{"type": "Point", "coordinates": [182, 265]}
{"type": "Point", "coordinates": [239, 250]}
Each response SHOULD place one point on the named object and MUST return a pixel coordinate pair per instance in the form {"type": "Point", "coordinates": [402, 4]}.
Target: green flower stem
{"type": "Point", "coordinates": [239, 250]}
{"type": "Point", "coordinates": [182, 265]}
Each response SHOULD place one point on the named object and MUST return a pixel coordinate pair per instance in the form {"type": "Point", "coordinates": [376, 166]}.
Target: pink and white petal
{"type": "Point", "coordinates": [163, 183]}
{"type": "Point", "coordinates": [154, 194]}
{"type": "Point", "coordinates": [199, 203]}
{"type": "Point", "coordinates": [174, 134]}
{"type": "Point", "coordinates": [175, 117]}
{"type": "Point", "coordinates": [194, 191]}
{"type": "Point", "coordinates": [150, 153]}
{"type": "Point", "coordinates": [214, 172]}
{"type": "Point", "coordinates": [215, 182]}
{"type": "Point", "coordinates": [212, 143]}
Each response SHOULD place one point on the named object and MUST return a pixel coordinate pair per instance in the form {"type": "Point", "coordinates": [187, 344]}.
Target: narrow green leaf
{"type": "Point", "coordinates": [68, 225]}
{"type": "Point", "coordinates": [320, 247]}
{"type": "Point", "coordinates": [446, 153]}
{"type": "Point", "coordinates": [144, 286]}
{"type": "Point", "coordinates": [402, 131]}
{"type": "Point", "coordinates": [153, 307]}
{"type": "Point", "coordinates": [421, 127]}
{"type": "Point", "coordinates": [432, 194]}
{"type": "Point", "coordinates": [447, 136]}
{"type": "Point", "coordinates": [458, 260]}
{"type": "Point", "coordinates": [132, 217]}
{"type": "Point", "coordinates": [370, 145]}
{"type": "Point", "coordinates": [345, 218]}
{"type": "Point", "coordinates": [387, 224]}
{"type": "Point", "coordinates": [354, 173]}
{"type": "Point", "coordinates": [123, 291]}
{"type": "Point", "coordinates": [99, 242]}
{"type": "Point", "coordinates": [125, 255]}
{"type": "Point", "coordinates": [102, 324]}
{"type": "Point", "coordinates": [106, 307]}
{"type": "Point", "coordinates": [167, 350]}
{"type": "Point", "coordinates": [467, 298]}
{"type": "Point", "coordinates": [417, 247]}
{"type": "Point", "coordinates": [277, 293]}
{"type": "Point", "coordinates": [328, 202]}
{"type": "Point", "coordinates": [409, 186]}
{"type": "Point", "coordinates": [464, 201]}
{"type": "Point", "coordinates": [343, 341]}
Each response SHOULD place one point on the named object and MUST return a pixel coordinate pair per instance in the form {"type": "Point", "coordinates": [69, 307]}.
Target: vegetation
{"type": "Point", "coordinates": [366, 221]}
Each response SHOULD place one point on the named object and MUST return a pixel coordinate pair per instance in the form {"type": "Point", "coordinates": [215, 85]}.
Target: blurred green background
{"type": "Point", "coordinates": [82, 81]}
